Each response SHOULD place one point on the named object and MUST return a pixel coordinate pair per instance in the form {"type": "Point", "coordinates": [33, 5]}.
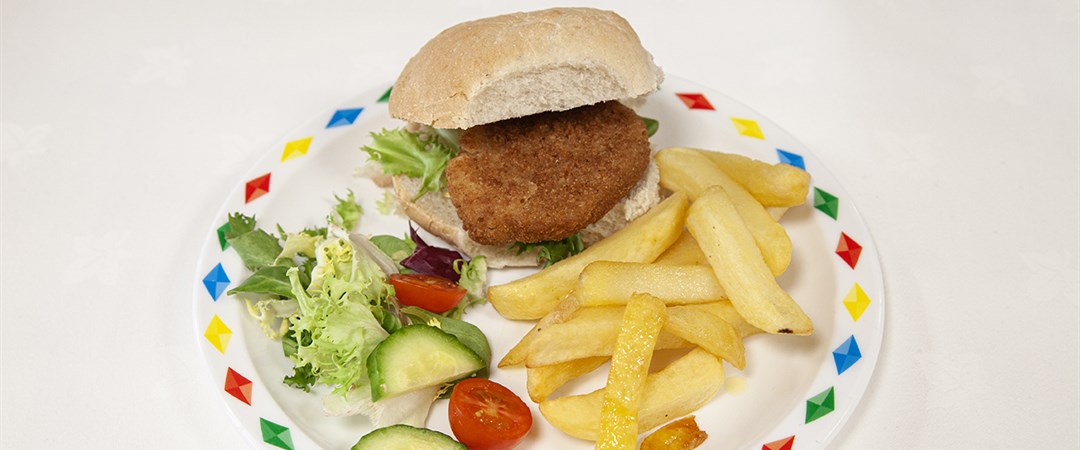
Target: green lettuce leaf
{"type": "Point", "coordinates": [651, 125]}
{"type": "Point", "coordinates": [400, 152]}
{"type": "Point", "coordinates": [257, 248]}
{"type": "Point", "coordinates": [394, 247]}
{"type": "Point", "coordinates": [346, 213]}
{"type": "Point", "coordinates": [551, 252]}
{"type": "Point", "coordinates": [267, 280]}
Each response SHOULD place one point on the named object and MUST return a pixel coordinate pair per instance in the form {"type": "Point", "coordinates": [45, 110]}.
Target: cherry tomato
{"type": "Point", "coordinates": [485, 415]}
{"type": "Point", "coordinates": [435, 294]}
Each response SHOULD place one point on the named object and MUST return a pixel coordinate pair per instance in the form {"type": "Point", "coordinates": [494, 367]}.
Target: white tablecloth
{"type": "Point", "coordinates": [953, 125]}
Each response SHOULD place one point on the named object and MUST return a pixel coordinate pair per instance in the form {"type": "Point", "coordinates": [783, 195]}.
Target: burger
{"type": "Point", "coordinates": [520, 143]}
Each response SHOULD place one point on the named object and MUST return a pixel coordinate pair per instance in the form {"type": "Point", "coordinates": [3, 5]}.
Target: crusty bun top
{"type": "Point", "coordinates": [520, 64]}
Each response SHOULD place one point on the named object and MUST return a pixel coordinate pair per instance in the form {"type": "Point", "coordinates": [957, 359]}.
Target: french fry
{"type": "Point", "coordinates": [709, 332]}
{"type": "Point", "coordinates": [682, 387]}
{"type": "Point", "coordinates": [738, 264]}
{"type": "Point", "coordinates": [562, 312]}
{"type": "Point", "coordinates": [689, 171]}
{"type": "Point", "coordinates": [613, 283]}
{"type": "Point", "coordinates": [641, 325]}
{"type": "Point", "coordinates": [642, 240]}
{"type": "Point", "coordinates": [684, 252]}
{"type": "Point", "coordinates": [542, 381]}
{"type": "Point", "coordinates": [726, 311]}
{"type": "Point", "coordinates": [682, 434]}
{"type": "Point", "coordinates": [771, 184]}
{"type": "Point", "coordinates": [590, 332]}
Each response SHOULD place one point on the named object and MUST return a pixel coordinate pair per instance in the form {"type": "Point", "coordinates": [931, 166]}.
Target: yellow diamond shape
{"type": "Point", "coordinates": [856, 302]}
{"type": "Point", "coordinates": [296, 149]}
{"type": "Point", "coordinates": [747, 127]}
{"type": "Point", "coordinates": [218, 334]}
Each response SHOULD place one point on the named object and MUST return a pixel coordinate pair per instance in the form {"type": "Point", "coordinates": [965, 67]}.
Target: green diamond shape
{"type": "Point", "coordinates": [826, 203]}
{"type": "Point", "coordinates": [819, 405]}
{"type": "Point", "coordinates": [275, 434]}
{"type": "Point", "coordinates": [386, 96]}
{"type": "Point", "coordinates": [221, 235]}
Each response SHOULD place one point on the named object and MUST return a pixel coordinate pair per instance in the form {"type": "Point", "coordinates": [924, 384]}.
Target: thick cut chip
{"type": "Point", "coordinates": [691, 172]}
{"type": "Point", "coordinates": [590, 332]}
{"type": "Point", "coordinates": [642, 240]}
{"type": "Point", "coordinates": [542, 381]}
{"type": "Point", "coordinates": [725, 310]}
{"type": "Point", "coordinates": [613, 283]}
{"type": "Point", "coordinates": [645, 316]}
{"type": "Point", "coordinates": [709, 332]}
{"type": "Point", "coordinates": [679, 389]}
{"type": "Point", "coordinates": [562, 312]}
{"type": "Point", "coordinates": [771, 184]}
{"type": "Point", "coordinates": [684, 252]}
{"type": "Point", "coordinates": [738, 264]}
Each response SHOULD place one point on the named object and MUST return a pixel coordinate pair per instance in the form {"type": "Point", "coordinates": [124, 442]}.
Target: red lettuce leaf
{"type": "Point", "coordinates": [431, 260]}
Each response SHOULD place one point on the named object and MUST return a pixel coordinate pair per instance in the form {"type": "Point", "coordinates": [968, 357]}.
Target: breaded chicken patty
{"type": "Point", "coordinates": [545, 177]}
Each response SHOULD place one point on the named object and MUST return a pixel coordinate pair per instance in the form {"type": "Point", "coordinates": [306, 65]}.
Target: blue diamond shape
{"type": "Point", "coordinates": [344, 117]}
{"type": "Point", "coordinates": [846, 355]}
{"type": "Point", "coordinates": [216, 281]}
{"type": "Point", "coordinates": [791, 159]}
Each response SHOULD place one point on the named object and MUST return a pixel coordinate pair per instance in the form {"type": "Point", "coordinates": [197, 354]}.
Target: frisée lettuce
{"type": "Point", "coordinates": [324, 292]}
{"type": "Point", "coordinates": [343, 314]}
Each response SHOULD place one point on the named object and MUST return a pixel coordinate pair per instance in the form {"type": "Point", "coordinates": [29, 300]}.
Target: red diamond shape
{"type": "Point", "coordinates": [848, 250]}
{"type": "Point", "coordinates": [782, 444]}
{"type": "Point", "coordinates": [256, 188]}
{"type": "Point", "coordinates": [238, 386]}
{"type": "Point", "coordinates": [696, 101]}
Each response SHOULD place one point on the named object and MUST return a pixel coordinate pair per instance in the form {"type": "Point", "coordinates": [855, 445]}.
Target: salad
{"type": "Point", "coordinates": [374, 322]}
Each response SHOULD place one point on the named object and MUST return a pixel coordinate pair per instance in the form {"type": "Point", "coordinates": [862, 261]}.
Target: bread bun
{"type": "Point", "coordinates": [435, 213]}
{"type": "Point", "coordinates": [520, 64]}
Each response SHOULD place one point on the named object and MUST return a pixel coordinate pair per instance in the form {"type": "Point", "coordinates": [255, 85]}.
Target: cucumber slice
{"type": "Point", "coordinates": [404, 437]}
{"type": "Point", "coordinates": [418, 356]}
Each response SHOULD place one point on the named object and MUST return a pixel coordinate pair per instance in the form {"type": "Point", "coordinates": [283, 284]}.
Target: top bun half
{"type": "Point", "coordinates": [521, 64]}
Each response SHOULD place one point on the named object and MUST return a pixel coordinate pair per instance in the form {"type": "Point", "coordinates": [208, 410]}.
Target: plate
{"type": "Point", "coordinates": [796, 392]}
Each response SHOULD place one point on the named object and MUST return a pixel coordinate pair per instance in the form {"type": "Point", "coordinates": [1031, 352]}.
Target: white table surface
{"type": "Point", "coordinates": [953, 125]}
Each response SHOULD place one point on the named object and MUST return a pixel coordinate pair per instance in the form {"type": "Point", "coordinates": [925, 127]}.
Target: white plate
{"type": "Point", "coordinates": [795, 390]}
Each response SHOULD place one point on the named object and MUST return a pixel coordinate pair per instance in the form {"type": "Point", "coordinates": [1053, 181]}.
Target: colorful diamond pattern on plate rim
{"type": "Point", "coordinates": [856, 302]}
{"type": "Point", "coordinates": [848, 250]}
{"type": "Point", "coordinates": [844, 356]}
{"type": "Point", "coordinates": [826, 203]}
{"type": "Point", "coordinates": [344, 117]}
{"type": "Point", "coordinates": [695, 101]}
{"type": "Point", "coordinates": [748, 128]}
{"type": "Point", "coordinates": [218, 334]}
{"type": "Point", "coordinates": [216, 281]}
{"type": "Point", "coordinates": [276, 435]}
{"type": "Point", "coordinates": [780, 444]}
{"type": "Point", "coordinates": [221, 232]}
{"type": "Point", "coordinates": [238, 386]}
{"type": "Point", "coordinates": [293, 150]}
{"type": "Point", "coordinates": [820, 405]}
{"type": "Point", "coordinates": [791, 159]}
{"type": "Point", "coordinates": [257, 187]}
